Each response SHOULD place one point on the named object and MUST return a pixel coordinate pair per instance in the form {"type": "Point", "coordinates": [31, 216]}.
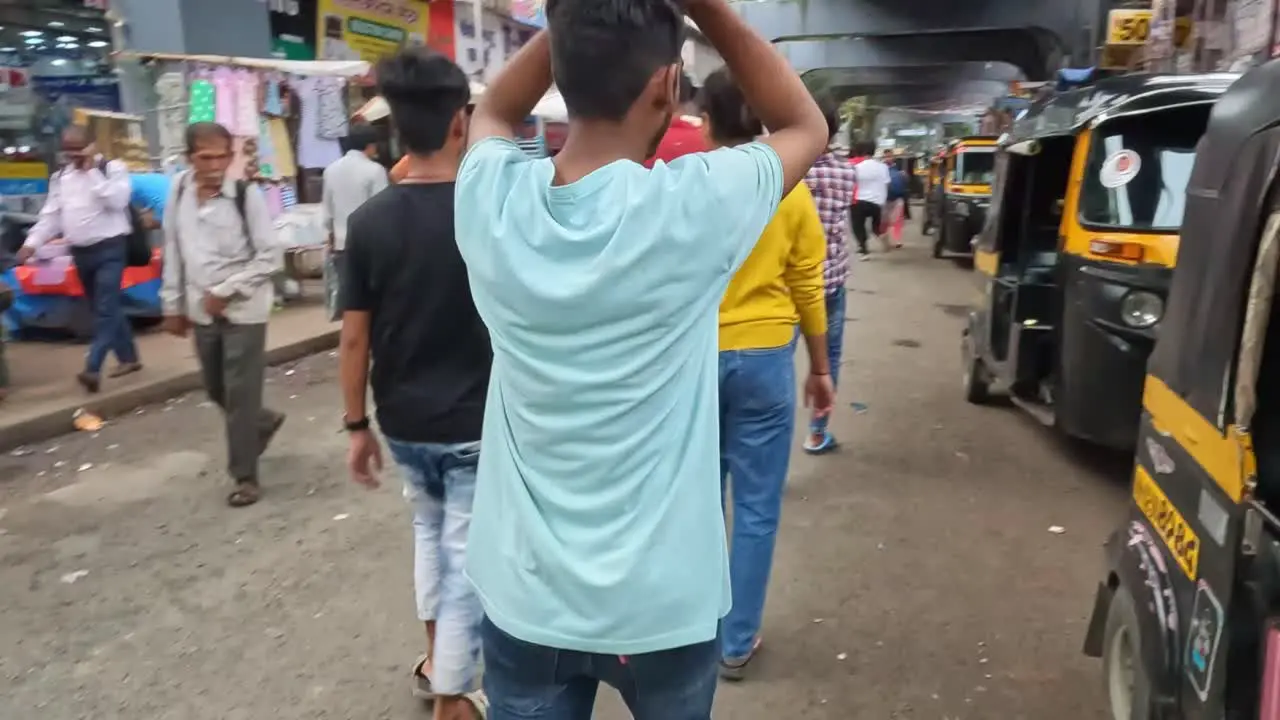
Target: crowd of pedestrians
{"type": "Point", "coordinates": [579, 364]}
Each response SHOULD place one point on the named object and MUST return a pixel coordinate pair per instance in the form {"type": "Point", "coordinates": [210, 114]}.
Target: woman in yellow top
{"type": "Point", "coordinates": [779, 286]}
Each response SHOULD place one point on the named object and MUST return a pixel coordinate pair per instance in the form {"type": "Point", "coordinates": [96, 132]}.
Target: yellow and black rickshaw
{"type": "Point", "coordinates": [967, 171]}
{"type": "Point", "coordinates": [933, 193]}
{"type": "Point", "coordinates": [1187, 619]}
{"type": "Point", "coordinates": [1078, 251]}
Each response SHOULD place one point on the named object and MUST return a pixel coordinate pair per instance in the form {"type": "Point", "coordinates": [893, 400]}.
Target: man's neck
{"type": "Point", "coordinates": [433, 168]}
{"type": "Point", "coordinates": [591, 145]}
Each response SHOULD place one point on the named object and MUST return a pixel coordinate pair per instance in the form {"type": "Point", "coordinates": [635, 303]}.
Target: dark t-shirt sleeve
{"type": "Point", "coordinates": [357, 286]}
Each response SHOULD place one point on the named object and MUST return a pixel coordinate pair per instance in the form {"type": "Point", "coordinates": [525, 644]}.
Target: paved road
{"type": "Point", "coordinates": [915, 576]}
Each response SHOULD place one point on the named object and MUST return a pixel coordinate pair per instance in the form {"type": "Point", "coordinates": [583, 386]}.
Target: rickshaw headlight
{"type": "Point", "coordinates": [1141, 309]}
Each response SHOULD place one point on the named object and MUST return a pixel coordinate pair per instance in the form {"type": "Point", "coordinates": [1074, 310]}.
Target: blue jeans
{"type": "Point", "coordinates": [101, 268]}
{"type": "Point", "coordinates": [836, 303]}
{"type": "Point", "coordinates": [524, 680]}
{"type": "Point", "coordinates": [440, 484]}
{"type": "Point", "coordinates": [757, 418]}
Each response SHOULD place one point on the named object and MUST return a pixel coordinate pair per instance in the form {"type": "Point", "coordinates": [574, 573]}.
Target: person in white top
{"type": "Point", "coordinates": [88, 208]}
{"type": "Point", "coordinates": [872, 191]}
{"type": "Point", "coordinates": [348, 183]}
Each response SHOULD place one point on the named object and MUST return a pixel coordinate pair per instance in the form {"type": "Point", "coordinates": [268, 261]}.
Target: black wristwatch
{"type": "Point", "coordinates": [355, 425]}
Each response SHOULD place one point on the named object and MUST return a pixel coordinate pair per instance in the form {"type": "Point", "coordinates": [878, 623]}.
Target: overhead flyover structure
{"type": "Point", "coordinates": [928, 51]}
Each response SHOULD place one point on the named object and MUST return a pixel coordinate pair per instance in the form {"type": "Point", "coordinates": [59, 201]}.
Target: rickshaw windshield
{"type": "Point", "coordinates": [1138, 169]}
{"type": "Point", "coordinates": [975, 166]}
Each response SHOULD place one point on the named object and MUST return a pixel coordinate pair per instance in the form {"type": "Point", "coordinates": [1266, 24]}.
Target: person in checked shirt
{"type": "Point", "coordinates": [831, 182]}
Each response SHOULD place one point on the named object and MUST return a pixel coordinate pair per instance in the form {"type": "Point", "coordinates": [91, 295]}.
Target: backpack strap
{"type": "Point", "coordinates": [242, 190]}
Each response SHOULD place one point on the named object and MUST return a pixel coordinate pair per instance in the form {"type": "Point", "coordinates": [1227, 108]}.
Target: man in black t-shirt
{"type": "Point", "coordinates": [407, 304]}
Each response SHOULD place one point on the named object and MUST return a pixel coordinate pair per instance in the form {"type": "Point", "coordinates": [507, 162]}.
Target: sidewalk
{"type": "Point", "coordinates": [43, 393]}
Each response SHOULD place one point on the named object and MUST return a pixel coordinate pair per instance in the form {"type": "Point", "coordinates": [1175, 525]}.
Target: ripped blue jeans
{"type": "Point", "coordinates": [440, 485]}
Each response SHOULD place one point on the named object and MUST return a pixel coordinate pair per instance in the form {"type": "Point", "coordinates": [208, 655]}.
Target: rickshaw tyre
{"type": "Point", "coordinates": [977, 386]}
{"type": "Point", "coordinates": [1121, 615]}
{"type": "Point", "coordinates": [937, 245]}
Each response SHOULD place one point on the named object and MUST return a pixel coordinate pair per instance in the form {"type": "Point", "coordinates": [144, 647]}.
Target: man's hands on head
{"type": "Point", "coordinates": [797, 128]}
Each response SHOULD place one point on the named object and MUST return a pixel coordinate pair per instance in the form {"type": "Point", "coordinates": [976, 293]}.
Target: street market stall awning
{"type": "Point", "coordinates": [550, 108]}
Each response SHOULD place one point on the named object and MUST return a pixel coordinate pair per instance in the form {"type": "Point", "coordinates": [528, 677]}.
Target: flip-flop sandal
{"type": "Point", "coordinates": [479, 703]}
{"type": "Point", "coordinates": [735, 670]}
{"type": "Point", "coordinates": [421, 683]}
{"type": "Point", "coordinates": [245, 494]}
{"type": "Point", "coordinates": [827, 445]}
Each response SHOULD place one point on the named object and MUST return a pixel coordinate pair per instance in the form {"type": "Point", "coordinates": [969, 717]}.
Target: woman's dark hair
{"type": "Point", "coordinates": [724, 105]}
{"type": "Point", "coordinates": [205, 131]}
{"type": "Point", "coordinates": [425, 90]}
{"type": "Point", "coordinates": [603, 52]}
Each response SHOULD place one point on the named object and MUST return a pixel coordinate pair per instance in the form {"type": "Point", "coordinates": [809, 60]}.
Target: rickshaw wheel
{"type": "Point", "coordinates": [977, 386]}
{"type": "Point", "coordinates": [1127, 685]}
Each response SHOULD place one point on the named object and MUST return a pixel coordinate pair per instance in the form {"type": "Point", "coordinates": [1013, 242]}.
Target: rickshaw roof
{"type": "Point", "coordinates": [978, 140]}
{"type": "Point", "coordinates": [1066, 113]}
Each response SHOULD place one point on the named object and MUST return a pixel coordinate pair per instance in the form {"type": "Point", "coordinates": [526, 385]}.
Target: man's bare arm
{"type": "Point", "coordinates": [511, 96]}
{"type": "Point", "coordinates": [797, 128]}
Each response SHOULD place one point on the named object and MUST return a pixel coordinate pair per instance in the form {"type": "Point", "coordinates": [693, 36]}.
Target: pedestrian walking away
{"type": "Point", "coordinates": [348, 184]}
{"type": "Point", "coordinates": [831, 181]}
{"type": "Point", "coordinates": [220, 254]}
{"type": "Point", "coordinates": [88, 207]}
{"type": "Point", "coordinates": [897, 200]}
{"type": "Point", "coordinates": [408, 310]}
{"type": "Point", "coordinates": [871, 194]}
{"type": "Point", "coordinates": [779, 285]}
{"type": "Point", "coordinates": [597, 544]}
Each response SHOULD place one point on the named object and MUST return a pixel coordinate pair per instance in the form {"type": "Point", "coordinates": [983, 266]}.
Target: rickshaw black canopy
{"type": "Point", "coordinates": [1228, 197]}
{"type": "Point", "coordinates": [1066, 113]}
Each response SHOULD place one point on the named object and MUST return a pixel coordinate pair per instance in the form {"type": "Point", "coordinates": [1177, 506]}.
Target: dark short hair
{"type": "Point", "coordinates": [865, 147]}
{"type": "Point", "coordinates": [424, 91]}
{"type": "Point", "coordinates": [361, 136]}
{"type": "Point", "coordinates": [725, 106]}
{"type": "Point", "coordinates": [604, 52]}
{"type": "Point", "coordinates": [197, 132]}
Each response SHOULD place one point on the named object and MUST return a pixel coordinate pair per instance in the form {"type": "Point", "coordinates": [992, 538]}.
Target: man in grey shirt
{"type": "Point", "coordinates": [220, 253]}
{"type": "Point", "coordinates": [348, 183]}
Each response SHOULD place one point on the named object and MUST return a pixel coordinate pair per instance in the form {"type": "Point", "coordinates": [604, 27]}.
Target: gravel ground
{"type": "Point", "coordinates": [915, 575]}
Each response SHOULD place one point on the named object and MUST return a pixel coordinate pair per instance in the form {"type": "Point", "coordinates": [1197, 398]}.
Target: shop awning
{"type": "Point", "coordinates": [308, 68]}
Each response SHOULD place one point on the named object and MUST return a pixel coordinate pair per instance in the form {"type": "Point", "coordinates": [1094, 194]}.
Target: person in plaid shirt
{"type": "Point", "coordinates": [831, 182]}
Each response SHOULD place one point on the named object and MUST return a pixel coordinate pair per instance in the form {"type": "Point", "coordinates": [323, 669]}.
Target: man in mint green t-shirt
{"type": "Point", "coordinates": [597, 543]}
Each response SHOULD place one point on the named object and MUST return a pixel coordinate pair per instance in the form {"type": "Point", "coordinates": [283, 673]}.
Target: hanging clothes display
{"type": "Point", "coordinates": [313, 150]}
{"type": "Point", "coordinates": [271, 101]}
{"type": "Point", "coordinates": [201, 102]}
{"type": "Point", "coordinates": [331, 99]}
{"type": "Point", "coordinates": [246, 104]}
{"type": "Point", "coordinates": [283, 164]}
{"type": "Point", "coordinates": [224, 84]}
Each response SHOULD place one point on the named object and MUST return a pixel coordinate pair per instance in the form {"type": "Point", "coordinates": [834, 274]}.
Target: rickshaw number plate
{"type": "Point", "coordinates": [1168, 523]}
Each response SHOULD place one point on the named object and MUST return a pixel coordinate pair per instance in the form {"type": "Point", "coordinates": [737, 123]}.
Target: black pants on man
{"type": "Point", "coordinates": [233, 362]}
{"type": "Point", "coordinates": [859, 213]}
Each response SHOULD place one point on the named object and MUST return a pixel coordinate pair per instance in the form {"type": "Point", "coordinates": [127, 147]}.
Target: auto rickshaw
{"type": "Point", "coordinates": [1187, 617]}
{"type": "Point", "coordinates": [1078, 251]}
{"type": "Point", "coordinates": [967, 172]}
{"type": "Point", "coordinates": [933, 193]}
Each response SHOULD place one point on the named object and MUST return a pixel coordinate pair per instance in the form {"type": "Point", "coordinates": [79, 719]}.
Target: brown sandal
{"type": "Point", "coordinates": [245, 494]}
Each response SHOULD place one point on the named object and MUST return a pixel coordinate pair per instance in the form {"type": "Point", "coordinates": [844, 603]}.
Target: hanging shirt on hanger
{"type": "Point", "coordinates": [224, 84]}
{"type": "Point", "coordinates": [172, 113]}
{"type": "Point", "coordinates": [271, 101]}
{"type": "Point", "coordinates": [201, 102]}
{"type": "Point", "coordinates": [331, 97]}
{"type": "Point", "coordinates": [313, 150]}
{"type": "Point", "coordinates": [246, 103]}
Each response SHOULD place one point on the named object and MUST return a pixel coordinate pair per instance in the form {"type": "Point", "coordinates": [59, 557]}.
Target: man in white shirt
{"type": "Point", "coordinates": [220, 253]}
{"type": "Point", "coordinates": [88, 207]}
{"type": "Point", "coordinates": [348, 183]}
{"type": "Point", "coordinates": [872, 191]}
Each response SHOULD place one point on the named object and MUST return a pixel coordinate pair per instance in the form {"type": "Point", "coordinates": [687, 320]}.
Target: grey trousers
{"type": "Point", "coordinates": [233, 361]}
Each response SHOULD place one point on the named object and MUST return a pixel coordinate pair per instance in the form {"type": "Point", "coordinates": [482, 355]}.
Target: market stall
{"type": "Point", "coordinates": [286, 118]}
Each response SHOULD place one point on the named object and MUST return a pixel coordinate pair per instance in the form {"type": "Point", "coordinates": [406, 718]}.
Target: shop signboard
{"type": "Point", "coordinates": [369, 29]}
{"type": "Point", "coordinates": [23, 186]}
{"type": "Point", "coordinates": [93, 92]}
{"type": "Point", "coordinates": [1128, 27]}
